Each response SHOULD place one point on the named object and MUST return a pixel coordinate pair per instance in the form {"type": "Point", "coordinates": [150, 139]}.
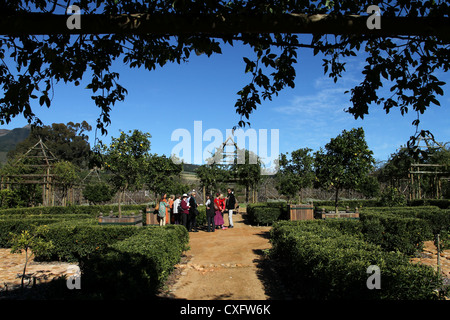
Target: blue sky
{"type": "Point", "coordinates": [204, 89]}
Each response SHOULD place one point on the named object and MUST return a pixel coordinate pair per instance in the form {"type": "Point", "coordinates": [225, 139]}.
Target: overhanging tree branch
{"type": "Point", "coordinates": [412, 44]}
{"type": "Point", "coordinates": [172, 24]}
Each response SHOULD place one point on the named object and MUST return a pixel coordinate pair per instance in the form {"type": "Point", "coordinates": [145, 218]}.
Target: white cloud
{"type": "Point", "coordinates": [328, 99]}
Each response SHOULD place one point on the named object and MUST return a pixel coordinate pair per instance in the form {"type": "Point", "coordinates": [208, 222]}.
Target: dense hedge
{"type": "Point", "coordinates": [267, 212]}
{"type": "Point", "coordinates": [117, 261]}
{"type": "Point", "coordinates": [91, 210]}
{"type": "Point", "coordinates": [17, 226]}
{"type": "Point", "coordinates": [362, 203]}
{"type": "Point", "coordinates": [326, 263]}
{"type": "Point", "coordinates": [437, 220]}
{"type": "Point", "coordinates": [77, 240]}
{"type": "Point", "coordinates": [395, 233]}
{"type": "Point", "coordinates": [201, 218]}
{"type": "Point", "coordinates": [71, 238]}
{"type": "Point", "coordinates": [441, 203]}
{"type": "Point", "coordinates": [399, 210]}
{"type": "Point", "coordinates": [136, 267]}
{"type": "Point", "coordinates": [342, 204]}
{"type": "Point", "coordinates": [16, 223]}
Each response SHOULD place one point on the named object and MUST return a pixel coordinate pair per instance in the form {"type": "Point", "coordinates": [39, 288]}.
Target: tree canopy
{"type": "Point", "coordinates": [68, 142]}
{"type": "Point", "coordinates": [162, 175]}
{"type": "Point", "coordinates": [344, 163]}
{"type": "Point", "coordinates": [295, 173]}
{"type": "Point", "coordinates": [127, 158]}
{"type": "Point", "coordinates": [38, 50]}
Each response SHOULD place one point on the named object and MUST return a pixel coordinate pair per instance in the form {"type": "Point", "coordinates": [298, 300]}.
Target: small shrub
{"type": "Point", "coordinates": [98, 193]}
{"type": "Point", "coordinates": [391, 197]}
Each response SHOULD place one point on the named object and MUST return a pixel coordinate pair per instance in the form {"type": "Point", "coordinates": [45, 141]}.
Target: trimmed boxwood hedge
{"type": "Point", "coordinates": [91, 210]}
{"type": "Point", "coordinates": [437, 221]}
{"type": "Point", "coordinates": [395, 233]}
{"type": "Point", "coordinates": [125, 262]}
{"type": "Point", "coordinates": [441, 203]}
{"type": "Point", "coordinates": [342, 204]}
{"type": "Point", "coordinates": [362, 203]}
{"type": "Point", "coordinates": [266, 213]}
{"type": "Point", "coordinates": [18, 223]}
{"type": "Point", "coordinates": [136, 267]}
{"type": "Point", "coordinates": [328, 264]}
{"type": "Point", "coordinates": [77, 239]}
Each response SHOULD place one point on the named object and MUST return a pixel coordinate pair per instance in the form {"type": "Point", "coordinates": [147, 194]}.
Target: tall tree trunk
{"type": "Point", "coordinates": [24, 268]}
{"type": "Point", "coordinates": [336, 200]}
{"type": "Point", "coordinates": [122, 196]}
{"type": "Point", "coordinates": [120, 202]}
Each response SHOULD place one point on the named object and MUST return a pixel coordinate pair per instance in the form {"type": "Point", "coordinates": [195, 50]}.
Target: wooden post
{"type": "Point", "coordinates": [419, 189]}
{"type": "Point", "coordinates": [43, 195]}
{"type": "Point", "coordinates": [410, 184]}
{"type": "Point", "coordinates": [439, 188]}
{"type": "Point", "coordinates": [204, 195]}
{"type": "Point", "coordinates": [438, 247]}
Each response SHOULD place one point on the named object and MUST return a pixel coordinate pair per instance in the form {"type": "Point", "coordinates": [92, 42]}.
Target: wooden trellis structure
{"type": "Point", "coordinates": [226, 155]}
{"type": "Point", "coordinates": [41, 161]}
{"type": "Point", "coordinates": [223, 155]}
{"type": "Point", "coordinates": [417, 170]}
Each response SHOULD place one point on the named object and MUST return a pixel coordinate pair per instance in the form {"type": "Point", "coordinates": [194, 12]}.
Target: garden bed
{"type": "Point", "coordinates": [131, 220]}
{"type": "Point", "coordinates": [328, 263]}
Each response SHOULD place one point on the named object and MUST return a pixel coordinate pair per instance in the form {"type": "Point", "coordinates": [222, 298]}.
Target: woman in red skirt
{"type": "Point", "coordinates": [218, 207]}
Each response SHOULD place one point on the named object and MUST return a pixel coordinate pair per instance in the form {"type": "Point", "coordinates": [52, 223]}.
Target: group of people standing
{"type": "Point", "coordinates": [183, 210]}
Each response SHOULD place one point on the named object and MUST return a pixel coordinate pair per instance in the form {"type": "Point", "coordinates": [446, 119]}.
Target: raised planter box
{"type": "Point", "coordinates": [301, 212]}
{"type": "Point", "coordinates": [132, 220]}
{"type": "Point", "coordinates": [151, 217]}
{"type": "Point", "coordinates": [341, 214]}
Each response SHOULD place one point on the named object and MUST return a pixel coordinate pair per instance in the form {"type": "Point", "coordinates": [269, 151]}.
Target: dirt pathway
{"type": "Point", "coordinates": [11, 270]}
{"type": "Point", "coordinates": [223, 264]}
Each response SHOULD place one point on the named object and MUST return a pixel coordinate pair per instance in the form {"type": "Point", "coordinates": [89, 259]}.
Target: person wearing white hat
{"type": "Point", "coordinates": [177, 213]}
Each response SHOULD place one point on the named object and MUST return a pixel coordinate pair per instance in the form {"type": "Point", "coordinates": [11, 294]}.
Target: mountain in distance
{"type": "Point", "coordinates": [10, 138]}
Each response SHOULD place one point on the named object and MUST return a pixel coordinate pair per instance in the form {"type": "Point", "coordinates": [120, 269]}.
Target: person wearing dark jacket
{"type": "Point", "coordinates": [210, 213]}
{"type": "Point", "coordinates": [231, 204]}
{"type": "Point", "coordinates": [193, 213]}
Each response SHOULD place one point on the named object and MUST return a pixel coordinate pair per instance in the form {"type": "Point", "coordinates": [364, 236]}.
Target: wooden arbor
{"type": "Point", "coordinates": [417, 171]}
{"type": "Point", "coordinates": [38, 161]}
{"type": "Point", "coordinates": [228, 154]}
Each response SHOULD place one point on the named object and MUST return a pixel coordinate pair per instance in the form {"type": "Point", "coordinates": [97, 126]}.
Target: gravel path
{"type": "Point", "coordinates": [223, 265]}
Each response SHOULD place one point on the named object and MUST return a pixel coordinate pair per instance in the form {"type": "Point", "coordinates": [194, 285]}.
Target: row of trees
{"type": "Point", "coordinates": [124, 165]}
{"type": "Point", "coordinates": [344, 163]}
{"type": "Point", "coordinates": [347, 163]}
{"type": "Point", "coordinates": [132, 166]}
